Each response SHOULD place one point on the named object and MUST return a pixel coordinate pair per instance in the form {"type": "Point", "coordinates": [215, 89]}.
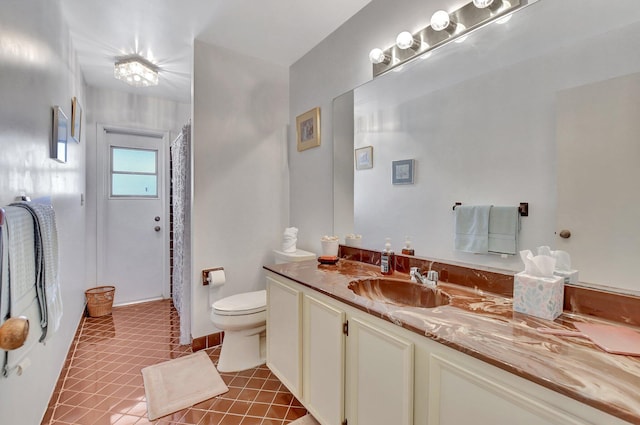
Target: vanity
{"type": "Point", "coordinates": [353, 359]}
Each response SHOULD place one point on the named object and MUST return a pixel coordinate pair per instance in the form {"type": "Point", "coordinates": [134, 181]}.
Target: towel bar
{"type": "Point", "coordinates": [523, 208]}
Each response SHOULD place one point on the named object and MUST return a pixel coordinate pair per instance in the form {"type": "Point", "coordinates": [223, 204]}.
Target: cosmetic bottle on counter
{"type": "Point", "coordinates": [386, 259]}
{"type": "Point", "coordinates": [407, 250]}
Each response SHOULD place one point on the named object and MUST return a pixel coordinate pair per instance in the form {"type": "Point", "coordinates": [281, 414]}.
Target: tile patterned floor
{"type": "Point", "coordinates": [101, 382]}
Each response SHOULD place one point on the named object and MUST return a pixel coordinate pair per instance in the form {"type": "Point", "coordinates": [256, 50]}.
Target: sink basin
{"type": "Point", "coordinates": [399, 292]}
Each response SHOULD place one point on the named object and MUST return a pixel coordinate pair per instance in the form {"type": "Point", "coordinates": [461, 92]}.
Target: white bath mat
{"type": "Point", "coordinates": [305, 420]}
{"type": "Point", "coordinates": [180, 383]}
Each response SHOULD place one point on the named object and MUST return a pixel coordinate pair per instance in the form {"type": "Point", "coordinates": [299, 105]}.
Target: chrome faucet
{"type": "Point", "coordinates": [430, 279]}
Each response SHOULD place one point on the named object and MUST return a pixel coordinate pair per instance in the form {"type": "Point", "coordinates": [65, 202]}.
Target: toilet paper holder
{"type": "Point", "coordinates": [205, 274]}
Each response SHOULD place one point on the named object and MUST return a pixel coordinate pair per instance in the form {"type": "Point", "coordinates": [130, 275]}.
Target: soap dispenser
{"type": "Point", "coordinates": [386, 259]}
{"type": "Point", "coordinates": [407, 250]}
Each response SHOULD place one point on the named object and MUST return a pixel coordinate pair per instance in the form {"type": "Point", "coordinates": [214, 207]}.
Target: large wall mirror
{"type": "Point", "coordinates": [502, 119]}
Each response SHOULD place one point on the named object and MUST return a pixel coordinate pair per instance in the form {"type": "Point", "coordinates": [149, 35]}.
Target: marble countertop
{"type": "Point", "coordinates": [484, 325]}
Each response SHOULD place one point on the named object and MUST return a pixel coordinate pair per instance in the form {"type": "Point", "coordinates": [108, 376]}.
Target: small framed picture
{"type": "Point", "coordinates": [76, 119]}
{"type": "Point", "coordinates": [59, 134]}
{"type": "Point", "coordinates": [308, 129]}
{"type": "Point", "coordinates": [403, 171]}
{"type": "Point", "coordinates": [364, 158]}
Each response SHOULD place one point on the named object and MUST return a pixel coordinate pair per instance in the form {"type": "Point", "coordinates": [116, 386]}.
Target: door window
{"type": "Point", "coordinates": [134, 172]}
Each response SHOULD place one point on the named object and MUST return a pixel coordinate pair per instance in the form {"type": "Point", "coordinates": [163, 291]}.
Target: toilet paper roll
{"type": "Point", "coordinates": [23, 365]}
{"type": "Point", "coordinates": [216, 278]}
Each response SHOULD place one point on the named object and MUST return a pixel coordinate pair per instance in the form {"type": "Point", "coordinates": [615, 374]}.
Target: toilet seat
{"type": "Point", "coordinates": [241, 304]}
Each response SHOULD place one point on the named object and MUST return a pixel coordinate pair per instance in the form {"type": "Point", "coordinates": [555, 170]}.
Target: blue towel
{"type": "Point", "coordinates": [472, 228]}
{"type": "Point", "coordinates": [504, 225]}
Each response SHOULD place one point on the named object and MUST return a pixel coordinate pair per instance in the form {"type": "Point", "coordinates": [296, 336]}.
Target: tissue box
{"type": "Point", "coordinates": [538, 296]}
{"type": "Point", "coordinates": [570, 276]}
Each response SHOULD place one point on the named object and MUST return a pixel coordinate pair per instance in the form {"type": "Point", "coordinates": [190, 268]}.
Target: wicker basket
{"type": "Point", "coordinates": [100, 300]}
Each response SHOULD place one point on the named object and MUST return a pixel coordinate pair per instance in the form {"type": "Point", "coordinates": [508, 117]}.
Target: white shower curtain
{"type": "Point", "coordinates": [181, 159]}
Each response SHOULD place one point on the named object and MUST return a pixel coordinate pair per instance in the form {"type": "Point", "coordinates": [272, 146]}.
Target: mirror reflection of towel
{"type": "Point", "coordinates": [504, 225]}
{"type": "Point", "coordinates": [472, 228]}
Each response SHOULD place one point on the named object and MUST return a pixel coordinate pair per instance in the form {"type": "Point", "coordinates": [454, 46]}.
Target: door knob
{"type": "Point", "coordinates": [157, 228]}
{"type": "Point", "coordinates": [157, 218]}
{"type": "Point", "coordinates": [565, 234]}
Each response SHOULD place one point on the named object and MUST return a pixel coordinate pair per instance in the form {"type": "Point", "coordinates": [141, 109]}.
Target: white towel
{"type": "Point", "coordinates": [472, 228]}
{"type": "Point", "coordinates": [504, 225]}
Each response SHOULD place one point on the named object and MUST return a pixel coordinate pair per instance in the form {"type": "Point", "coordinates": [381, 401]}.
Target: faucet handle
{"type": "Point", "coordinates": [413, 272]}
{"type": "Point", "coordinates": [432, 276]}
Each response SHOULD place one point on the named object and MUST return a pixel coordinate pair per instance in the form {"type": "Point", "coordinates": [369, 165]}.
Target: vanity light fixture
{"type": "Point", "coordinates": [136, 71]}
{"type": "Point", "coordinates": [377, 56]}
{"type": "Point", "coordinates": [406, 40]}
{"type": "Point", "coordinates": [441, 21]}
{"type": "Point", "coordinates": [444, 27]}
{"type": "Point", "coordinates": [481, 4]}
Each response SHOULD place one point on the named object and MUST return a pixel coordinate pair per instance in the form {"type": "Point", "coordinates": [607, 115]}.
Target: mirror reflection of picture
{"type": "Point", "coordinates": [364, 158]}
{"type": "Point", "coordinates": [403, 171]}
{"type": "Point", "coordinates": [59, 134]}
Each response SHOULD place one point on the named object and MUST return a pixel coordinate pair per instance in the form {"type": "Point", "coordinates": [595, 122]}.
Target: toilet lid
{"type": "Point", "coordinates": [245, 303]}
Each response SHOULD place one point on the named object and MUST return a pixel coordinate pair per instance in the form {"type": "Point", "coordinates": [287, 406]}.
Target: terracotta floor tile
{"type": "Point", "coordinates": [239, 407]}
{"type": "Point", "coordinates": [258, 409]}
{"type": "Point", "coordinates": [101, 381]}
{"type": "Point", "coordinates": [265, 397]}
{"type": "Point", "coordinates": [248, 420]}
{"type": "Point", "coordinates": [230, 419]}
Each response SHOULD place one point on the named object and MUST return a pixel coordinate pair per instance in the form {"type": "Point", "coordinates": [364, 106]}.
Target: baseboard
{"type": "Point", "coordinates": [207, 341]}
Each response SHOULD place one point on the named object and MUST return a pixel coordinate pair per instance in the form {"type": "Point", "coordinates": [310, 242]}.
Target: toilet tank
{"type": "Point", "coordinates": [291, 257]}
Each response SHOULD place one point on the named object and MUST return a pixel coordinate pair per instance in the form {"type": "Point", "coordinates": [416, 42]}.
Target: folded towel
{"type": "Point", "coordinates": [472, 228]}
{"type": "Point", "coordinates": [504, 225]}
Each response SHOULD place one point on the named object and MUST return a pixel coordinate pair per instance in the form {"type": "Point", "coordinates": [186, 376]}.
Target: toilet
{"type": "Point", "coordinates": [243, 318]}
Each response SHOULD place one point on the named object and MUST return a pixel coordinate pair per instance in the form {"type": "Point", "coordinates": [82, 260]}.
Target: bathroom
{"type": "Point", "coordinates": [296, 186]}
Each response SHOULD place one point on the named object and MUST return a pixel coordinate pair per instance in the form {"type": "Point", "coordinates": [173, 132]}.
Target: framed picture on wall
{"type": "Point", "coordinates": [308, 129]}
{"type": "Point", "coordinates": [76, 119]}
{"type": "Point", "coordinates": [403, 171]}
{"type": "Point", "coordinates": [59, 134]}
{"type": "Point", "coordinates": [364, 158]}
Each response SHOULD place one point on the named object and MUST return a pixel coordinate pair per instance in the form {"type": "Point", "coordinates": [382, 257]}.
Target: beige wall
{"type": "Point", "coordinates": [240, 193]}
{"type": "Point", "coordinates": [38, 69]}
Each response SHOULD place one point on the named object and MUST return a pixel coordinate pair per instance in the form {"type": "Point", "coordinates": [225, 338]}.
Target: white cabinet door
{"type": "Point", "coordinates": [284, 343]}
{"type": "Point", "coordinates": [323, 361]}
{"type": "Point", "coordinates": [379, 376]}
{"type": "Point", "coordinates": [460, 393]}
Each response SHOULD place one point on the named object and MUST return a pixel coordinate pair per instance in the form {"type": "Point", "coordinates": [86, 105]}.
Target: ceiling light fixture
{"type": "Point", "coordinates": [136, 71]}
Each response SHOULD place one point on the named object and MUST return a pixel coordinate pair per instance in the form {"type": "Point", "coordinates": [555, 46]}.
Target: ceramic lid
{"type": "Point", "coordinates": [297, 255]}
{"type": "Point", "coordinates": [243, 302]}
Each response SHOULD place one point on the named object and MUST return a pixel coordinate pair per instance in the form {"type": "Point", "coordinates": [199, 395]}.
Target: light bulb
{"type": "Point", "coordinates": [505, 5]}
{"type": "Point", "coordinates": [405, 40]}
{"type": "Point", "coordinates": [440, 20]}
{"type": "Point", "coordinates": [377, 56]}
{"type": "Point", "coordinates": [481, 4]}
